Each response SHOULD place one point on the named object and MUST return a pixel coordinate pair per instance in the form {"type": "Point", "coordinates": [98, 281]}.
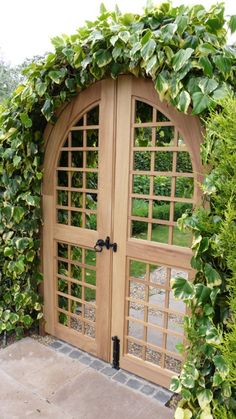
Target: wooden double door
{"type": "Point", "coordinates": [122, 165]}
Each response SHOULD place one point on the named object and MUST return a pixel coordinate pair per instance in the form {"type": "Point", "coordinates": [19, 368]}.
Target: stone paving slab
{"type": "Point", "coordinates": [43, 382]}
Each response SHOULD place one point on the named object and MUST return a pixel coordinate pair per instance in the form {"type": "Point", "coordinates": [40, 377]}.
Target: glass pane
{"type": "Point", "coordinates": [76, 219]}
{"type": "Point", "coordinates": [158, 274]}
{"type": "Point", "coordinates": [90, 276]}
{"type": "Point", "coordinates": [143, 112]}
{"type": "Point", "coordinates": [90, 312]}
{"type": "Point", "coordinates": [184, 163]}
{"type": "Point", "coordinates": [76, 324]}
{"type": "Point", "coordinates": [76, 200]}
{"type": "Point", "coordinates": [65, 145]}
{"type": "Point", "coordinates": [91, 180]}
{"type": "Point", "coordinates": [135, 349]}
{"type": "Point", "coordinates": [181, 238]}
{"type": "Point", "coordinates": [62, 178]}
{"type": "Point", "coordinates": [76, 307]}
{"type": "Point", "coordinates": [76, 290]}
{"type": "Point", "coordinates": [154, 336]}
{"type": "Point", "coordinates": [92, 138]}
{"type": "Point", "coordinates": [161, 117]}
{"type": "Point", "coordinates": [138, 269]}
{"type": "Point", "coordinates": [63, 160]}
{"type": "Point", "coordinates": [173, 364]}
{"type": "Point", "coordinates": [165, 136]}
{"type": "Point", "coordinates": [62, 250]}
{"type": "Point", "coordinates": [140, 207]}
{"type": "Point", "coordinates": [63, 319]}
{"type": "Point", "coordinates": [137, 291]}
{"type": "Point", "coordinates": [93, 116]}
{"type": "Point", "coordinates": [141, 184]}
{"type": "Point", "coordinates": [153, 356]}
{"type": "Point", "coordinates": [77, 138]}
{"type": "Point", "coordinates": [77, 179]}
{"type": "Point", "coordinates": [91, 221]}
{"type": "Point", "coordinates": [76, 272]}
{"type": "Point", "coordinates": [171, 343]}
{"type": "Point", "coordinates": [62, 216]}
{"type": "Point", "coordinates": [161, 210]}
{"type": "Point", "coordinates": [76, 253]}
{"type": "Point", "coordinates": [156, 296]}
{"type": "Point", "coordinates": [139, 230]}
{"type": "Point", "coordinates": [163, 161]}
{"type": "Point", "coordinates": [92, 159]}
{"type": "Point", "coordinates": [80, 122]}
{"type": "Point", "coordinates": [62, 268]}
{"type": "Point", "coordinates": [184, 187]}
{"type": "Point", "coordinates": [160, 233]}
{"type": "Point", "coordinates": [62, 198]}
{"type": "Point", "coordinates": [136, 330]}
{"type": "Point", "coordinates": [162, 185]}
{"type": "Point", "coordinates": [143, 137]}
{"type": "Point", "coordinates": [175, 323]}
{"type": "Point", "coordinates": [155, 317]}
{"type": "Point", "coordinates": [62, 286]}
{"type": "Point", "coordinates": [62, 302]}
{"type": "Point", "coordinates": [77, 158]}
{"type": "Point", "coordinates": [90, 257]}
{"type": "Point", "coordinates": [136, 311]}
{"type": "Point", "coordinates": [91, 201]}
{"type": "Point", "coordinates": [90, 295]}
{"type": "Point", "coordinates": [176, 305]}
{"type": "Point", "coordinates": [89, 330]}
{"type": "Point", "coordinates": [142, 160]}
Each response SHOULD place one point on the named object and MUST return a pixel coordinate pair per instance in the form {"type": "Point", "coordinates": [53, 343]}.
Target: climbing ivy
{"type": "Point", "coordinates": [207, 382]}
{"type": "Point", "coordinates": [183, 50]}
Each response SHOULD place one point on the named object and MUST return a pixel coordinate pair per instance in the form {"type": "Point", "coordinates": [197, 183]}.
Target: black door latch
{"type": "Point", "coordinates": [101, 243]}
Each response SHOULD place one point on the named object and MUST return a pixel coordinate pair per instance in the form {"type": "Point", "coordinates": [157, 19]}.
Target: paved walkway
{"type": "Point", "coordinates": [39, 382]}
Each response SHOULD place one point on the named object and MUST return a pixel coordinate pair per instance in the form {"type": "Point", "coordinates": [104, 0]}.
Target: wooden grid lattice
{"type": "Point", "coordinates": [161, 178]}
{"type": "Point", "coordinates": [77, 174]}
{"type": "Point", "coordinates": [76, 288]}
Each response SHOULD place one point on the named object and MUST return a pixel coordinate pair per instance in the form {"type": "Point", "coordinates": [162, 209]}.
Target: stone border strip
{"type": "Point", "coordinates": [122, 377]}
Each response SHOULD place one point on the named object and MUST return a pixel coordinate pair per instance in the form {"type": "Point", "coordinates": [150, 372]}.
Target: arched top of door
{"type": "Point", "coordinates": [142, 89]}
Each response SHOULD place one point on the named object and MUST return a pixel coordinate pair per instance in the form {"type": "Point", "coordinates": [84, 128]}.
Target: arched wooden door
{"type": "Point", "coordinates": [119, 164]}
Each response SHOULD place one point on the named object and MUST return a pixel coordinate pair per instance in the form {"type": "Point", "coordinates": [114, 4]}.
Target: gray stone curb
{"type": "Point", "coordinates": [122, 377]}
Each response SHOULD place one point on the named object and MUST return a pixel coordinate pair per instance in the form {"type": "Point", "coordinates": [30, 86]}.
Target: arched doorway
{"type": "Point", "coordinates": [120, 164]}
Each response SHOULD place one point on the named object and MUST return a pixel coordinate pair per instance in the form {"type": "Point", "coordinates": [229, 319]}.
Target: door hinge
{"type": "Point", "coordinates": [116, 352]}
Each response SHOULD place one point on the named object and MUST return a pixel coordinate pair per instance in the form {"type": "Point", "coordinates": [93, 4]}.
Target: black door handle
{"type": "Point", "coordinates": [101, 243]}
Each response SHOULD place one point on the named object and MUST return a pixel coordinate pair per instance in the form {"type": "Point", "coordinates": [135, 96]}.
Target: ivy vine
{"type": "Point", "coordinates": [184, 51]}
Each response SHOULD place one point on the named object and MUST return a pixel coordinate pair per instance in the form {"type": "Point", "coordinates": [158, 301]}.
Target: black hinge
{"type": "Point", "coordinates": [116, 352]}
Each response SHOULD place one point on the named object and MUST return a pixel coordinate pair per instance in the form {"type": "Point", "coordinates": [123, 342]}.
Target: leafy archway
{"type": "Point", "coordinates": [183, 50]}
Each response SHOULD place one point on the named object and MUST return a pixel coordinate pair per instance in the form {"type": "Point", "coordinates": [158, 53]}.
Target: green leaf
{"type": "Point", "coordinates": [207, 85]}
{"type": "Point", "coordinates": [183, 101]}
{"type": "Point", "coordinates": [71, 84]}
{"type": "Point", "coordinates": [183, 413]}
{"type": "Point", "coordinates": [217, 379]}
{"type": "Point", "coordinates": [206, 49]}
{"type": "Point", "coordinates": [124, 36]}
{"type": "Point", "coordinates": [221, 92]}
{"type": "Point", "coordinates": [41, 88]}
{"type": "Point", "coordinates": [57, 75]}
{"type": "Point", "coordinates": [200, 102]}
{"type": "Point", "coordinates": [13, 318]}
{"type": "Point", "coordinates": [103, 9]}
{"type": "Point", "coordinates": [58, 42]}
{"type": "Point", "coordinates": [206, 65]}
{"type": "Point", "coordinates": [175, 385]}
{"type": "Point", "coordinates": [102, 57]}
{"type": "Point", "coordinates": [204, 398]}
{"type": "Point", "coordinates": [151, 64]}
{"type": "Point", "coordinates": [232, 23]}
{"type": "Point", "coordinates": [221, 365]}
{"type": "Point", "coordinates": [22, 243]}
{"type": "Point", "coordinates": [182, 23]}
{"type": "Point", "coordinates": [182, 288]}
{"type": "Point", "coordinates": [212, 276]}
{"type": "Point", "coordinates": [213, 336]}
{"type": "Point", "coordinates": [226, 389]}
{"type": "Point", "coordinates": [162, 84]}
{"type": "Point", "coordinates": [26, 120]}
{"type": "Point", "coordinates": [181, 58]}
{"type": "Point", "coordinates": [16, 161]}
{"type": "Point", "coordinates": [148, 49]}
{"type": "Point", "coordinates": [18, 214]}
{"type": "Point", "coordinates": [8, 252]}
{"type": "Point", "coordinates": [224, 64]}
{"type": "Point", "coordinates": [168, 31]}
{"type": "Point", "coordinates": [47, 109]}
{"type": "Point", "coordinates": [27, 320]}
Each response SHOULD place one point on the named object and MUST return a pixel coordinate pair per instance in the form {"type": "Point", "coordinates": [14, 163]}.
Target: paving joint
{"type": "Point", "coordinates": [122, 377]}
